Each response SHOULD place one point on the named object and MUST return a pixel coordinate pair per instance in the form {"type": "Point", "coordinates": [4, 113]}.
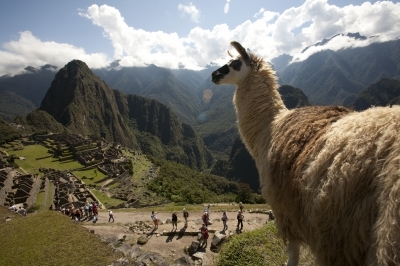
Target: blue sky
{"type": "Point", "coordinates": [178, 33]}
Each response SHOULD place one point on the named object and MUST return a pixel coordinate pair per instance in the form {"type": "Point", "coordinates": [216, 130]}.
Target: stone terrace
{"type": "Point", "coordinates": [68, 189]}
{"type": "Point", "coordinates": [16, 188]}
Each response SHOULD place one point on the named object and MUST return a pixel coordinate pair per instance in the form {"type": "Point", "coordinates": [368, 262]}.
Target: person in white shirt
{"type": "Point", "coordinates": [110, 216]}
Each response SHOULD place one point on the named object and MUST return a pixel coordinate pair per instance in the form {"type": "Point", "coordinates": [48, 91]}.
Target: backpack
{"type": "Point", "coordinates": [185, 214]}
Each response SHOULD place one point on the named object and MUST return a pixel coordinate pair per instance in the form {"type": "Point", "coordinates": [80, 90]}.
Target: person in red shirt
{"type": "Point", "coordinates": [204, 238]}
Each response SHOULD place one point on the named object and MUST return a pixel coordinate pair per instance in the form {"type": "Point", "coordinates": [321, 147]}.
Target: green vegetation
{"type": "Point", "coordinates": [40, 198]}
{"type": "Point", "coordinates": [48, 238]}
{"type": "Point", "coordinates": [43, 200]}
{"type": "Point", "coordinates": [258, 247]}
{"type": "Point", "coordinates": [7, 132]}
{"type": "Point", "coordinates": [140, 165]}
{"type": "Point", "coordinates": [382, 93]}
{"type": "Point", "coordinates": [106, 200]}
{"type": "Point", "coordinates": [90, 176]}
{"type": "Point", "coordinates": [154, 181]}
{"type": "Point", "coordinates": [33, 152]}
{"type": "Point", "coordinates": [183, 184]}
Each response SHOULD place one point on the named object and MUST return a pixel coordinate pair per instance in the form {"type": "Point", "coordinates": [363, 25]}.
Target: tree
{"type": "Point", "coordinates": [245, 193]}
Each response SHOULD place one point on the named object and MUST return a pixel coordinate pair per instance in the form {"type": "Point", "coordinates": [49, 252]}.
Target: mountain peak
{"type": "Point", "coordinates": [31, 69]}
{"type": "Point", "coordinates": [356, 36]}
{"type": "Point", "coordinates": [83, 103]}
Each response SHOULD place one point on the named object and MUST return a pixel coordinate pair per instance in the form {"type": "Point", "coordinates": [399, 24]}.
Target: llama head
{"type": "Point", "coordinates": [235, 70]}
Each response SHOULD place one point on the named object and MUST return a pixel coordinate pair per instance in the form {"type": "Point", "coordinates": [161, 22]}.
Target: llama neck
{"type": "Point", "coordinates": [258, 103]}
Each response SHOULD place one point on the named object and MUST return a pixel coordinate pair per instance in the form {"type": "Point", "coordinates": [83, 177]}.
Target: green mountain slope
{"type": "Point", "coordinates": [382, 93]}
{"type": "Point", "coordinates": [23, 93]}
{"type": "Point", "coordinates": [8, 132]}
{"type": "Point", "coordinates": [81, 103]}
{"type": "Point", "coordinates": [13, 105]}
{"type": "Point", "coordinates": [155, 83]}
{"type": "Point", "coordinates": [161, 133]}
{"type": "Point", "coordinates": [85, 104]}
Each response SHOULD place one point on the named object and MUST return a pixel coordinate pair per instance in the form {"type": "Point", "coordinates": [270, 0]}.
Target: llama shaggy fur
{"type": "Point", "coordinates": [331, 175]}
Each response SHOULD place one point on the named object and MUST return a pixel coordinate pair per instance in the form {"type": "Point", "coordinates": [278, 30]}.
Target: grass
{"type": "Point", "coordinates": [93, 176]}
{"type": "Point", "coordinates": [31, 165]}
{"type": "Point", "coordinates": [49, 200]}
{"type": "Point", "coordinates": [106, 200]}
{"type": "Point", "coordinates": [114, 185]}
{"type": "Point", "coordinates": [139, 165]}
{"type": "Point", "coordinates": [41, 201]}
{"type": "Point", "coordinates": [40, 198]}
{"type": "Point", "coordinates": [258, 247]}
{"type": "Point", "coordinates": [49, 238]}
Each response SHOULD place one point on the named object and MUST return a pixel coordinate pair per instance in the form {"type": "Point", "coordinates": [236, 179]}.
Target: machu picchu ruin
{"type": "Point", "coordinates": [109, 165]}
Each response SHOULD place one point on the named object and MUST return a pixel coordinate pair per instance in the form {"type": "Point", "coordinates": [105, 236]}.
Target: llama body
{"type": "Point", "coordinates": [331, 175]}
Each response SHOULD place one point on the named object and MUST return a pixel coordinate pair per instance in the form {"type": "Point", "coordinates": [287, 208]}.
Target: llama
{"type": "Point", "coordinates": [330, 175]}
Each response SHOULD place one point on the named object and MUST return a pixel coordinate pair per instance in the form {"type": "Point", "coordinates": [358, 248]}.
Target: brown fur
{"type": "Point", "coordinates": [331, 176]}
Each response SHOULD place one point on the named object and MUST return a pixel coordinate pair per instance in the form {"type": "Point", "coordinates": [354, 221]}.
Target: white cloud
{"type": "Point", "coordinates": [259, 13]}
{"type": "Point", "coordinates": [31, 51]}
{"type": "Point", "coordinates": [138, 47]}
{"type": "Point", "coordinates": [226, 7]}
{"type": "Point", "coordinates": [269, 34]}
{"type": "Point", "coordinates": [191, 10]}
{"type": "Point", "coordinates": [272, 34]}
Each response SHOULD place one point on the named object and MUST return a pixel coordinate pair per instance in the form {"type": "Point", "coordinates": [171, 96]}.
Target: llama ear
{"type": "Point", "coordinates": [241, 51]}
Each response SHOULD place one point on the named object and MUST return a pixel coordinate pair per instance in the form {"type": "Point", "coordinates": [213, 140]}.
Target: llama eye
{"type": "Point", "coordinates": [236, 64]}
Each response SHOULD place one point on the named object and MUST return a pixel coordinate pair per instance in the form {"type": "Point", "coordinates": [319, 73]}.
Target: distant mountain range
{"type": "Point", "coordinates": [335, 78]}
{"type": "Point", "coordinates": [172, 113]}
{"type": "Point", "coordinates": [80, 102]}
{"type": "Point", "coordinates": [326, 78]}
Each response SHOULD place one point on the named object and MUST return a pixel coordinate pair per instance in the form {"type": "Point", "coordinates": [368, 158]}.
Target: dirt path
{"type": "Point", "coordinates": [171, 247]}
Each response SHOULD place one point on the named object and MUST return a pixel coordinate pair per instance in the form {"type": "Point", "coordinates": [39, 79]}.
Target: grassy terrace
{"type": "Point", "coordinates": [33, 152]}
{"type": "Point", "coordinates": [106, 200]}
{"type": "Point", "coordinates": [90, 176]}
{"type": "Point", "coordinates": [140, 166]}
{"type": "Point", "coordinates": [43, 200]}
{"type": "Point", "coordinates": [49, 238]}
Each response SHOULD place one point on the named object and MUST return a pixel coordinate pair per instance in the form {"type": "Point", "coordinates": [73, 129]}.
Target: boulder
{"type": "Point", "coordinates": [136, 252]}
{"type": "Point", "coordinates": [217, 240]}
{"type": "Point", "coordinates": [193, 248]}
{"type": "Point", "coordinates": [183, 261]}
{"type": "Point", "coordinates": [199, 255]}
{"type": "Point", "coordinates": [142, 240]}
{"type": "Point", "coordinates": [121, 237]}
{"type": "Point", "coordinates": [121, 262]}
{"type": "Point", "coordinates": [150, 258]}
{"type": "Point", "coordinates": [126, 249]}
